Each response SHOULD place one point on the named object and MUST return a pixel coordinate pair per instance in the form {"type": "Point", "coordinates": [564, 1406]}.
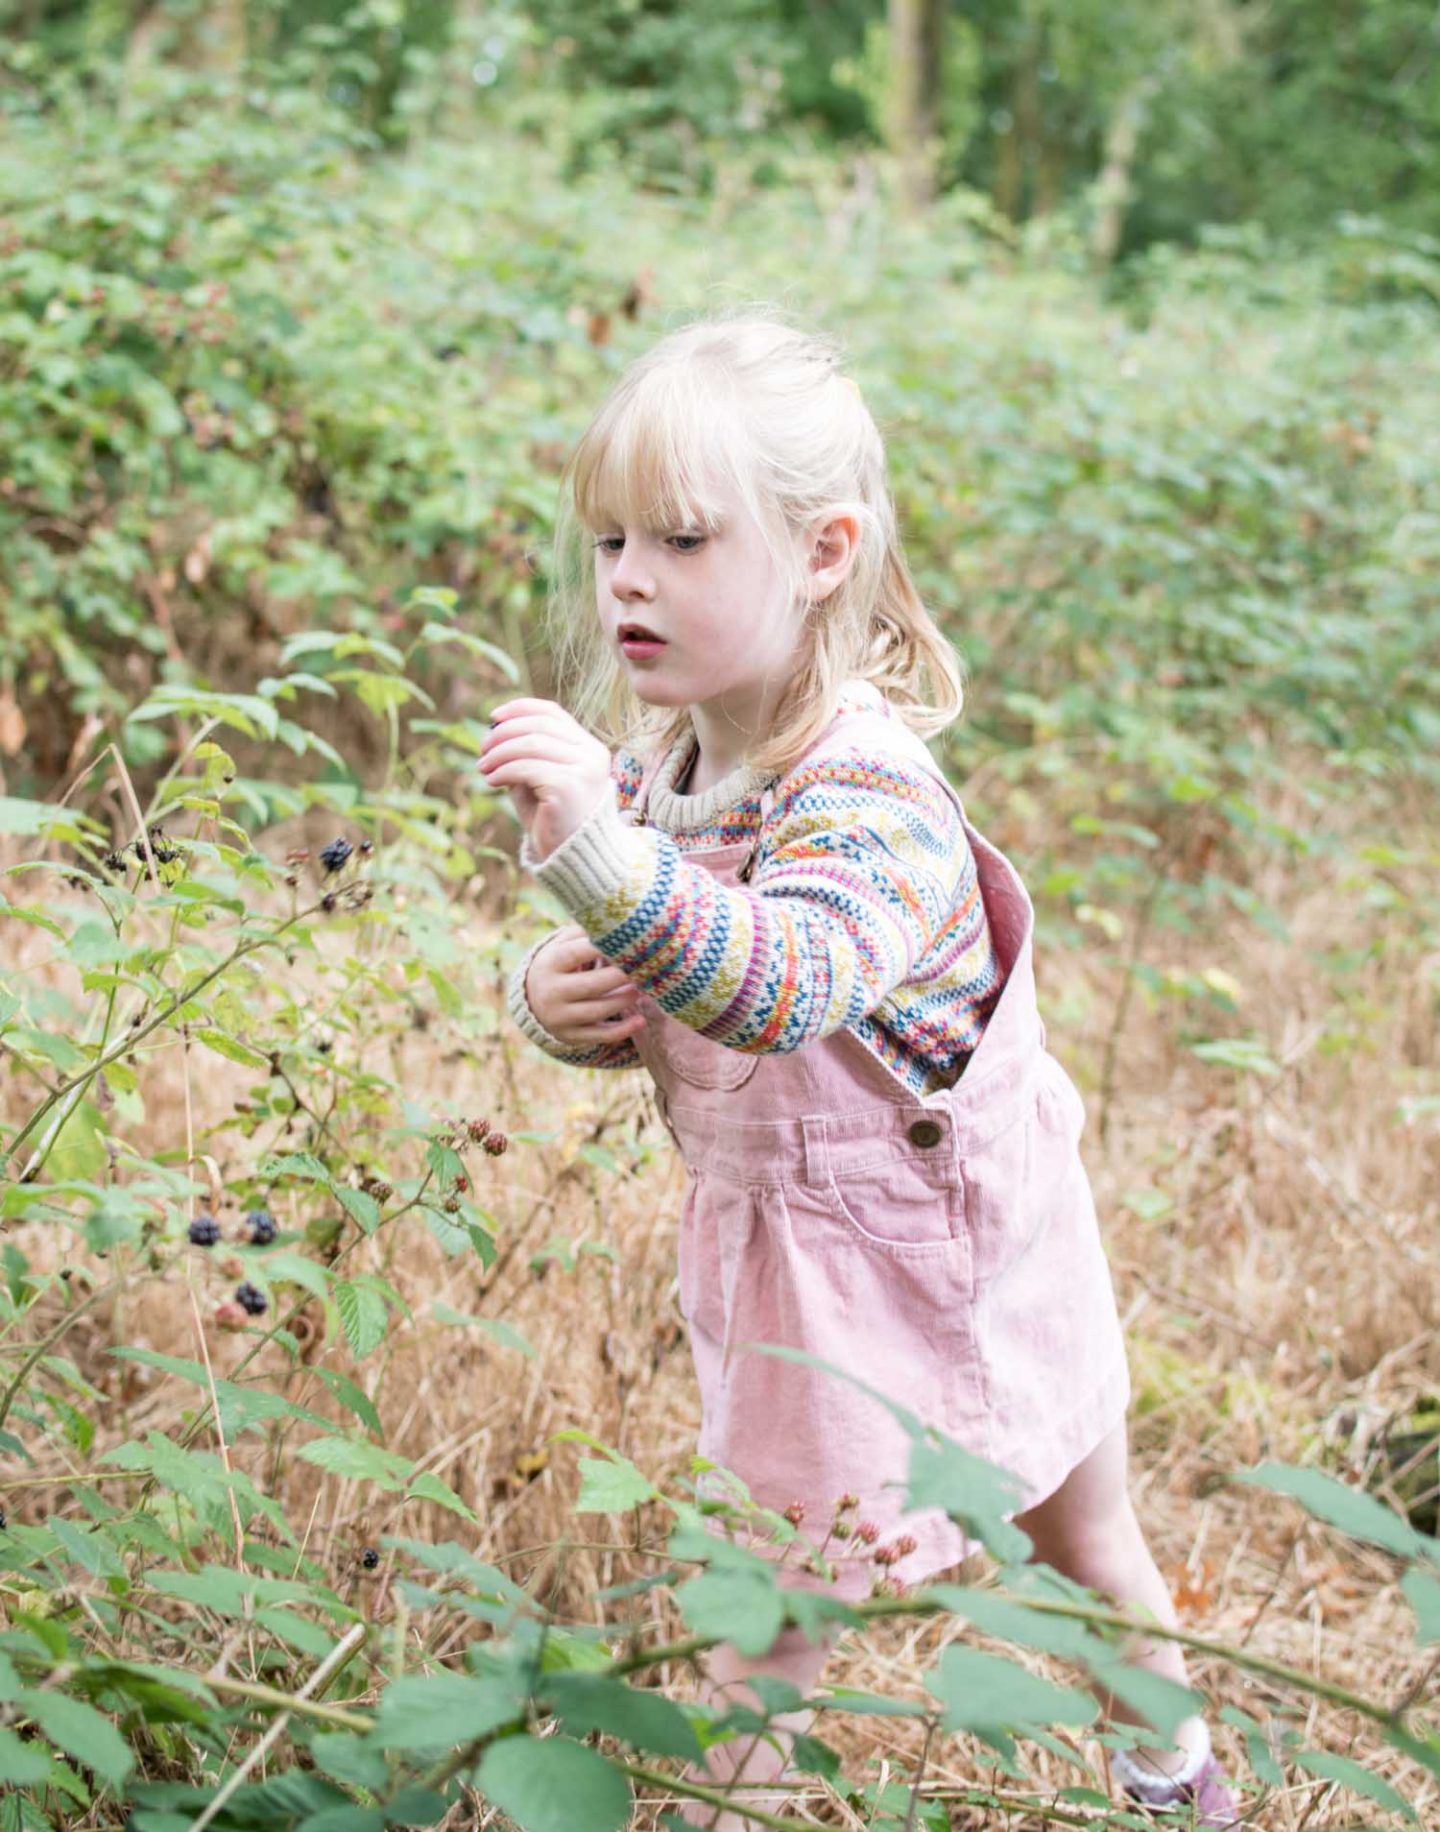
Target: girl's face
{"type": "Point", "coordinates": [700, 618]}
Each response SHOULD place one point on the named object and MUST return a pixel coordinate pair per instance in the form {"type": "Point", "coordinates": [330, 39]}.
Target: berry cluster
{"type": "Point", "coordinates": [261, 1224]}
{"type": "Point", "coordinates": [204, 1230]}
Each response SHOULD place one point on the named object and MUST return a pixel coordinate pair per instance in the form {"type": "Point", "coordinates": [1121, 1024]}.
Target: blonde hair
{"type": "Point", "coordinates": [750, 402]}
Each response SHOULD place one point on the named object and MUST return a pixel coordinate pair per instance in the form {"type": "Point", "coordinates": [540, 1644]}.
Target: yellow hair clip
{"type": "Point", "coordinates": [854, 387]}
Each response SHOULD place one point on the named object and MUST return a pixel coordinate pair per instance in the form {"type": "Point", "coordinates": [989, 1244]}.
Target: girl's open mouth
{"type": "Point", "coordinates": [636, 642]}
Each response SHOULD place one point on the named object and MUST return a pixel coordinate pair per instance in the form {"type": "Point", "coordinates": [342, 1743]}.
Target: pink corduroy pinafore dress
{"type": "Point", "coordinates": [942, 1248]}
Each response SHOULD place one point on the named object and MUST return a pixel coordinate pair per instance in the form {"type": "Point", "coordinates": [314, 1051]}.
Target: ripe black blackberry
{"type": "Point", "coordinates": [333, 856]}
{"type": "Point", "coordinates": [204, 1230]}
{"type": "Point", "coordinates": [370, 1558]}
{"type": "Point", "coordinates": [249, 1297]}
{"type": "Point", "coordinates": [261, 1224]}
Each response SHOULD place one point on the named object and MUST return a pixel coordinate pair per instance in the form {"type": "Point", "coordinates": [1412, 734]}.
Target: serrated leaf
{"type": "Point", "coordinates": [611, 1486]}
{"type": "Point", "coordinates": [359, 1460]}
{"type": "Point", "coordinates": [1352, 1510]}
{"type": "Point", "coordinates": [360, 1207]}
{"type": "Point", "coordinates": [364, 1315]}
{"type": "Point", "coordinates": [354, 1398]}
{"type": "Point", "coordinates": [1328, 1766]}
{"type": "Point", "coordinates": [427, 1486]}
{"type": "Point", "coordinates": [302, 1164]}
{"type": "Point", "coordinates": [230, 1047]}
{"type": "Point", "coordinates": [495, 1327]}
{"type": "Point", "coordinates": [436, 1710]}
{"type": "Point", "coordinates": [987, 1693]}
{"type": "Point", "coordinates": [744, 1607]}
{"type": "Point", "coordinates": [346, 1757]}
{"type": "Point", "coordinates": [646, 1720]}
{"type": "Point", "coordinates": [22, 1764]}
{"type": "Point", "coordinates": [81, 1731]}
{"type": "Point", "coordinates": [551, 1784]}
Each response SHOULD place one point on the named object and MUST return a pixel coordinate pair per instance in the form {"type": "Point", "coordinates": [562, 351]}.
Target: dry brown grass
{"type": "Point", "coordinates": [1287, 1301]}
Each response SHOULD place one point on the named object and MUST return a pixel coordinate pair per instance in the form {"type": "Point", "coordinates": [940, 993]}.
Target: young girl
{"type": "Point", "coordinates": [781, 912]}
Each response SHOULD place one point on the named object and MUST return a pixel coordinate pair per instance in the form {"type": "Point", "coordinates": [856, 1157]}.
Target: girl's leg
{"type": "Point", "coordinates": [1088, 1531]}
{"type": "Point", "coordinates": [745, 1757]}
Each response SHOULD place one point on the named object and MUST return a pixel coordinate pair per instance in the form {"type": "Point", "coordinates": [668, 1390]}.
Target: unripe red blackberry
{"type": "Point", "coordinates": [496, 1144]}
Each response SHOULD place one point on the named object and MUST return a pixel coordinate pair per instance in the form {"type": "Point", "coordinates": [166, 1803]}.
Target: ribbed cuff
{"type": "Point", "coordinates": [525, 1020]}
{"type": "Point", "coordinates": [593, 862]}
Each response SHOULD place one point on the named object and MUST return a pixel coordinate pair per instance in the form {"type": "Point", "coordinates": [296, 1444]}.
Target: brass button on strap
{"type": "Point", "coordinates": [926, 1133]}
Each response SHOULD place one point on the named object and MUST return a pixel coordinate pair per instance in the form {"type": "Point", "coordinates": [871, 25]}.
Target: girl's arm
{"type": "Point", "coordinates": [865, 862]}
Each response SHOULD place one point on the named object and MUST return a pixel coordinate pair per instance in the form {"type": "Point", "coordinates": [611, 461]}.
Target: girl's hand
{"type": "Point", "coordinates": [556, 772]}
{"type": "Point", "coordinates": [578, 995]}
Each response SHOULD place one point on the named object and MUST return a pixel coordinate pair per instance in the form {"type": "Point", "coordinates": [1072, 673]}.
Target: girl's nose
{"type": "Point", "coordinates": [631, 577]}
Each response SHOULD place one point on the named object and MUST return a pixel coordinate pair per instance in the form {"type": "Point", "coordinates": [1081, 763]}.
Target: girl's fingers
{"type": "Point", "coordinates": [591, 1011]}
{"type": "Point", "coordinates": [530, 773]}
{"type": "Point", "coordinates": [603, 1033]}
{"type": "Point", "coordinates": [548, 745]}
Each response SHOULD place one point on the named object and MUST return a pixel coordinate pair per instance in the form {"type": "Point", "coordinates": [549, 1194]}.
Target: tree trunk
{"type": "Point", "coordinates": [916, 41]}
{"type": "Point", "coordinates": [1113, 187]}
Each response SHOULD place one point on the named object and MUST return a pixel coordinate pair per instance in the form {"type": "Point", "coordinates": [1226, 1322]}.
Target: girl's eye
{"type": "Point", "coordinates": [609, 543]}
{"type": "Point", "coordinates": [687, 543]}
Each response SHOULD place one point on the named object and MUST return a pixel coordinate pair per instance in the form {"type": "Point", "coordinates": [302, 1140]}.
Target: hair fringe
{"type": "Point", "coordinates": [771, 405]}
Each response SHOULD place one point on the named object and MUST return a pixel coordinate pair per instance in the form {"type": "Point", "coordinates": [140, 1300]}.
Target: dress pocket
{"type": "Point", "coordinates": [673, 1052]}
{"type": "Point", "coordinates": [912, 1203]}
{"type": "Point", "coordinates": [1018, 1181]}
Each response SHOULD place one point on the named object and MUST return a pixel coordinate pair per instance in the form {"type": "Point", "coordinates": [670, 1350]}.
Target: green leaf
{"type": "Point", "coordinates": [744, 1607]}
{"type": "Point", "coordinates": [1330, 1767]}
{"type": "Point", "coordinates": [231, 1047]}
{"type": "Point", "coordinates": [359, 1460]}
{"type": "Point", "coordinates": [553, 1785]}
{"type": "Point", "coordinates": [1352, 1510]}
{"type": "Point", "coordinates": [21, 1763]}
{"type": "Point", "coordinates": [345, 1819]}
{"type": "Point", "coordinates": [437, 1710]}
{"type": "Point", "coordinates": [1423, 1595]}
{"type": "Point", "coordinates": [856, 1703]}
{"type": "Point", "coordinates": [1244, 1053]}
{"type": "Point", "coordinates": [646, 1720]}
{"type": "Point", "coordinates": [427, 1486]}
{"type": "Point", "coordinates": [78, 1154]}
{"type": "Point", "coordinates": [364, 1314]}
{"type": "Point", "coordinates": [611, 1486]}
{"type": "Point", "coordinates": [360, 1207]}
{"type": "Point", "coordinates": [302, 1164]}
{"type": "Point", "coordinates": [987, 1693]}
{"type": "Point", "coordinates": [354, 1398]}
{"type": "Point", "coordinates": [435, 634]}
{"type": "Point", "coordinates": [496, 1327]}
{"type": "Point", "coordinates": [1163, 1702]}
{"type": "Point", "coordinates": [81, 1731]}
{"type": "Point", "coordinates": [345, 1757]}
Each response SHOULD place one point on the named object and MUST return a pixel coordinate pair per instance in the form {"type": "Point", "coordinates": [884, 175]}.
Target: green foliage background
{"type": "Point", "coordinates": [291, 349]}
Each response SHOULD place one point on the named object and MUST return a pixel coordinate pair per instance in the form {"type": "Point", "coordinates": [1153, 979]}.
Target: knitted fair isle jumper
{"type": "Point", "coordinates": [864, 909]}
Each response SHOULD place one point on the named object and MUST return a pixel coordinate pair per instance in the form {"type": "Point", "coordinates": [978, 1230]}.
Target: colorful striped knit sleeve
{"type": "Point", "coordinates": [865, 861]}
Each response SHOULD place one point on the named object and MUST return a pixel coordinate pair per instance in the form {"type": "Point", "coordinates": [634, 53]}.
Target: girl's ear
{"type": "Point", "coordinates": [830, 553]}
